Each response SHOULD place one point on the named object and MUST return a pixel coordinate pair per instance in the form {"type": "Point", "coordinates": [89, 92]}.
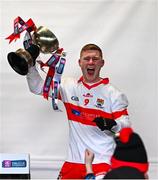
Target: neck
{"type": "Point", "coordinates": [92, 82]}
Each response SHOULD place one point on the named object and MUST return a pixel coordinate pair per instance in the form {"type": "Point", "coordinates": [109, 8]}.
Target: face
{"type": "Point", "coordinates": [91, 62]}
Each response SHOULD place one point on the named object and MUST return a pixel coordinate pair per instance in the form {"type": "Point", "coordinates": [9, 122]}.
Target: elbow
{"type": "Point", "coordinates": [35, 91]}
{"type": "Point", "coordinates": [123, 122]}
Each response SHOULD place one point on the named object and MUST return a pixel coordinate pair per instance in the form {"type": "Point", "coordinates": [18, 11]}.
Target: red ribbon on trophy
{"type": "Point", "coordinates": [56, 65]}
{"type": "Point", "coordinates": [51, 63]}
{"type": "Point", "coordinates": [28, 26]}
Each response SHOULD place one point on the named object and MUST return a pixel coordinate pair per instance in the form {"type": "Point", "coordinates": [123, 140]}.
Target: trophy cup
{"type": "Point", "coordinates": [43, 40]}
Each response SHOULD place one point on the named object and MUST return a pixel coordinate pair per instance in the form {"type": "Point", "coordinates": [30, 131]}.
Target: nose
{"type": "Point", "coordinates": [91, 61]}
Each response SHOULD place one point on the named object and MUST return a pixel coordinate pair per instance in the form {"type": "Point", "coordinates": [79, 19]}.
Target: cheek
{"type": "Point", "coordinates": [98, 66]}
{"type": "Point", "coordinates": [82, 64]}
{"type": "Point", "coordinates": [101, 64]}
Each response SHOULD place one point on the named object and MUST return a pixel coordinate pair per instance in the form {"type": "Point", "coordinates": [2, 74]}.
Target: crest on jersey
{"type": "Point", "coordinates": [99, 103]}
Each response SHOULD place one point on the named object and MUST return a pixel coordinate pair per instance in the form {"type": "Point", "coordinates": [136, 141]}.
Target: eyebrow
{"type": "Point", "coordinates": [91, 57]}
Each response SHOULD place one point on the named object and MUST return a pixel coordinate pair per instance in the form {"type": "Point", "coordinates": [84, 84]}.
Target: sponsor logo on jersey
{"type": "Point", "coordinates": [100, 103]}
{"type": "Point", "coordinates": [85, 115]}
{"type": "Point", "coordinates": [75, 98]}
{"type": "Point", "coordinates": [88, 116]}
{"type": "Point", "coordinates": [88, 95]}
{"type": "Point", "coordinates": [76, 112]}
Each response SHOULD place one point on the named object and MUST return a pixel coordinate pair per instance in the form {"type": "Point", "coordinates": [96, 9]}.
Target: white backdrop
{"type": "Point", "coordinates": [124, 29]}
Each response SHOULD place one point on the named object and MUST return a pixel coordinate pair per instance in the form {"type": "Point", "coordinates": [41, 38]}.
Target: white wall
{"type": "Point", "coordinates": [124, 29]}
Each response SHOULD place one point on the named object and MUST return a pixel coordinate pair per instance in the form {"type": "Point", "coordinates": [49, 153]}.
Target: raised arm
{"type": "Point", "coordinates": [35, 82]}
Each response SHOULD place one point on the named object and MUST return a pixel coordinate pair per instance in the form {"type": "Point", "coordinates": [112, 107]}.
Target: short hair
{"type": "Point", "coordinates": [91, 47]}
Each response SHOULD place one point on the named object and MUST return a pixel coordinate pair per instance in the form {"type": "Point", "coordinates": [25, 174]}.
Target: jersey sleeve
{"type": "Point", "coordinates": [35, 81]}
{"type": "Point", "coordinates": [66, 86]}
{"type": "Point", "coordinates": [119, 110]}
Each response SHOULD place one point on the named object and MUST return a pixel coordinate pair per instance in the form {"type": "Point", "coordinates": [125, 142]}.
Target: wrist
{"type": "Point", "coordinates": [89, 168]}
{"type": "Point", "coordinates": [32, 69]}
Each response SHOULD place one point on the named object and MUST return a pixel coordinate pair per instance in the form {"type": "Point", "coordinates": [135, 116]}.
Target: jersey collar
{"type": "Point", "coordinates": [103, 81]}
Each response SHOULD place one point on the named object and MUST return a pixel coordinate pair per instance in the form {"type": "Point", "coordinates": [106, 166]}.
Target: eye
{"type": "Point", "coordinates": [95, 58]}
{"type": "Point", "coordinates": [86, 58]}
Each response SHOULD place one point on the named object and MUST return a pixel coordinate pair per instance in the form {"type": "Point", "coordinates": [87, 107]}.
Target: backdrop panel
{"type": "Point", "coordinates": [124, 29]}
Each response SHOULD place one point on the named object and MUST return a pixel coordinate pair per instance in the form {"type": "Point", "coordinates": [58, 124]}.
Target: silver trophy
{"type": "Point", "coordinates": [43, 40]}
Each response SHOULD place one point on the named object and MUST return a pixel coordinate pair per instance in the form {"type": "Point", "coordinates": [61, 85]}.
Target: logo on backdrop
{"type": "Point", "coordinates": [14, 164]}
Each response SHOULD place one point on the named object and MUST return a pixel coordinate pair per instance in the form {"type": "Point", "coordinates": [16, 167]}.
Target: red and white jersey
{"type": "Point", "coordinates": [83, 103]}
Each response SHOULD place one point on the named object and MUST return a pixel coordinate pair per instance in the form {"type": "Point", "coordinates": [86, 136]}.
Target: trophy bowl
{"type": "Point", "coordinates": [45, 39]}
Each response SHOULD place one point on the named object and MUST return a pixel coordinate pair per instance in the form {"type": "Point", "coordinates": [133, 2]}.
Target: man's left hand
{"type": "Point", "coordinates": [104, 123]}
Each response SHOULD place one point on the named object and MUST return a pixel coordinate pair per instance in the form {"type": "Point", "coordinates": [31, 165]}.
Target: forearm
{"type": "Point", "coordinates": [34, 80]}
{"type": "Point", "coordinates": [122, 122]}
{"type": "Point", "coordinates": [89, 156]}
{"type": "Point", "coordinates": [89, 168]}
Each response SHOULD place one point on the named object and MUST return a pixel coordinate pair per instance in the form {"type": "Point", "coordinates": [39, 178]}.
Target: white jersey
{"type": "Point", "coordinates": [83, 103]}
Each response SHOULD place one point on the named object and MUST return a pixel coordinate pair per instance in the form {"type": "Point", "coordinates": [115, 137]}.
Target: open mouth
{"type": "Point", "coordinates": [90, 71]}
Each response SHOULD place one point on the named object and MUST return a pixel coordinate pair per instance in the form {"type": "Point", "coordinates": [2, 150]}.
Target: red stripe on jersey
{"type": "Point", "coordinates": [87, 115]}
{"type": "Point", "coordinates": [118, 114]}
{"type": "Point", "coordinates": [143, 167]}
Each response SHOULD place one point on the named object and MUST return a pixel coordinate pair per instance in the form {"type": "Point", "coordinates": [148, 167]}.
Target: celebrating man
{"type": "Point", "coordinates": [95, 109]}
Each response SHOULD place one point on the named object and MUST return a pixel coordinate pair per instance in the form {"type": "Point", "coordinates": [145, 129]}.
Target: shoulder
{"type": "Point", "coordinates": [68, 81]}
{"type": "Point", "coordinates": [112, 89]}
{"type": "Point", "coordinates": [115, 92]}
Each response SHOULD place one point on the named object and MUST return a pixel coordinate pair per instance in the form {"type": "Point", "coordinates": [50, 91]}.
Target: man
{"type": "Point", "coordinates": [90, 102]}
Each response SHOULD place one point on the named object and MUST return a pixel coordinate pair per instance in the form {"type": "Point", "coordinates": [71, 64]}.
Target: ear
{"type": "Point", "coordinates": [79, 62]}
{"type": "Point", "coordinates": [103, 62]}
